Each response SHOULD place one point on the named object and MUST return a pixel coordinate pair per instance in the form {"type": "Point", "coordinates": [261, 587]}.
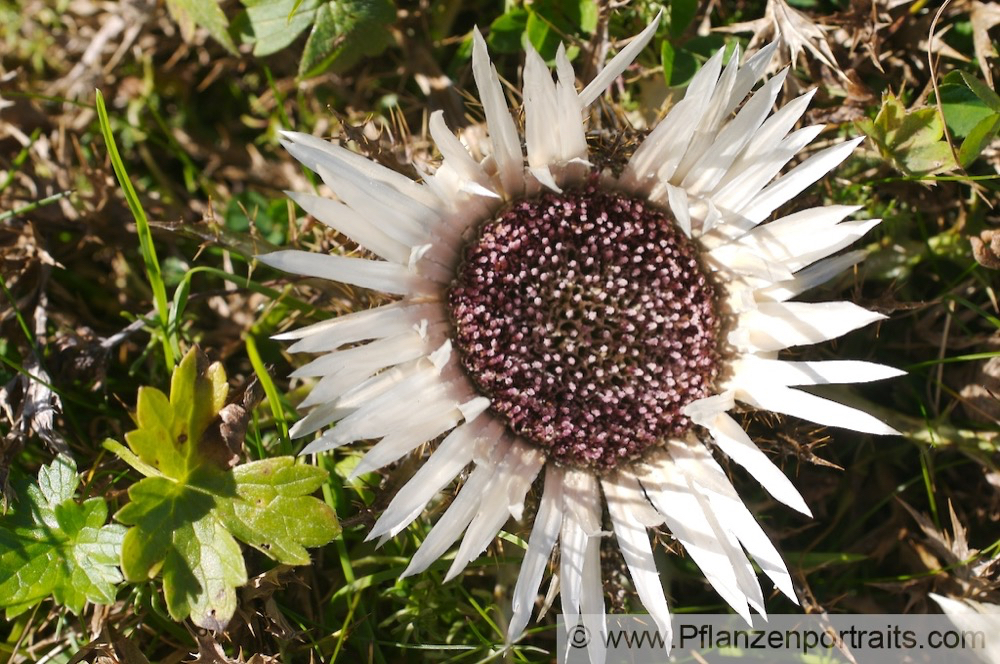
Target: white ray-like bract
{"type": "Point", "coordinates": [717, 164]}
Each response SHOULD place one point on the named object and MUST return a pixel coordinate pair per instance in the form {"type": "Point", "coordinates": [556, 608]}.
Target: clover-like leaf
{"type": "Point", "coordinates": [53, 546]}
{"type": "Point", "coordinates": [193, 506]}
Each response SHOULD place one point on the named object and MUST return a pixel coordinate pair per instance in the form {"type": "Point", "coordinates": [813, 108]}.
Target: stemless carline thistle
{"type": "Point", "coordinates": [599, 326]}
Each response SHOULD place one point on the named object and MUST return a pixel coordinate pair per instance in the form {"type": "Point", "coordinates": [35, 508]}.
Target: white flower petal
{"type": "Point", "coordinates": [474, 408]}
{"type": "Point", "coordinates": [572, 137]}
{"type": "Point", "coordinates": [737, 192]}
{"type": "Point", "coordinates": [662, 150]}
{"type": "Point", "coordinates": [399, 216]}
{"type": "Point", "coordinates": [618, 63]}
{"type": "Point", "coordinates": [452, 149]}
{"type": "Point", "coordinates": [544, 177]}
{"type": "Point", "coordinates": [373, 356]}
{"type": "Point", "coordinates": [329, 412]}
{"type": "Point", "coordinates": [592, 600]}
{"type": "Point", "coordinates": [746, 578]}
{"type": "Point", "coordinates": [738, 259]}
{"type": "Point", "coordinates": [503, 132]}
{"type": "Point", "coordinates": [344, 220]}
{"type": "Point", "coordinates": [670, 494]}
{"type": "Point", "coordinates": [540, 109]}
{"type": "Point", "coordinates": [709, 122]}
{"type": "Point", "coordinates": [460, 513]}
{"type": "Point", "coordinates": [452, 455]}
{"type": "Point", "coordinates": [581, 523]}
{"type": "Point", "coordinates": [403, 406]}
{"type": "Point", "coordinates": [808, 221]}
{"type": "Point", "coordinates": [376, 323]}
{"type": "Point", "coordinates": [417, 341]}
{"type": "Point", "coordinates": [813, 373]}
{"type": "Point", "coordinates": [779, 325]}
{"type": "Point", "coordinates": [770, 134]}
{"type": "Point", "coordinates": [377, 275]}
{"type": "Point", "coordinates": [321, 152]}
{"type": "Point", "coordinates": [796, 180]}
{"type": "Point", "coordinates": [814, 275]}
{"type": "Point", "coordinates": [736, 444]}
{"type": "Point", "coordinates": [544, 532]}
{"type": "Point", "coordinates": [501, 499]}
{"type": "Point", "coordinates": [342, 371]}
{"type": "Point", "coordinates": [714, 162]}
{"type": "Point", "coordinates": [695, 461]}
{"type": "Point", "coordinates": [677, 199]}
{"type": "Point", "coordinates": [398, 443]}
{"type": "Point", "coordinates": [376, 415]}
{"type": "Point", "coordinates": [624, 497]}
{"type": "Point", "coordinates": [749, 73]}
{"type": "Point", "coordinates": [797, 403]}
{"type": "Point", "coordinates": [702, 411]}
{"type": "Point", "coordinates": [333, 386]}
{"type": "Point", "coordinates": [806, 236]}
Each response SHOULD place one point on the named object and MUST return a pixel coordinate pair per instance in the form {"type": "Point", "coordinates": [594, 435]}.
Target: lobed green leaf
{"type": "Point", "coordinates": [185, 522]}
{"type": "Point", "coordinates": [52, 546]}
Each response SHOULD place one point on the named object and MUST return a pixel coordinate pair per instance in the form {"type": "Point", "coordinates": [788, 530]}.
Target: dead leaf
{"type": "Point", "coordinates": [794, 31]}
{"type": "Point", "coordinates": [984, 17]}
{"type": "Point", "coordinates": [981, 395]}
{"type": "Point", "coordinates": [111, 648]}
{"type": "Point", "coordinates": [29, 404]}
{"type": "Point", "coordinates": [953, 548]}
{"type": "Point", "coordinates": [986, 249]}
{"type": "Point", "coordinates": [260, 590]}
{"type": "Point", "coordinates": [228, 431]}
{"type": "Point", "coordinates": [210, 651]}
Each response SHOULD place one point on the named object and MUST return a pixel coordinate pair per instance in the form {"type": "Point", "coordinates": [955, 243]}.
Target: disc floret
{"type": "Point", "coordinates": [587, 318]}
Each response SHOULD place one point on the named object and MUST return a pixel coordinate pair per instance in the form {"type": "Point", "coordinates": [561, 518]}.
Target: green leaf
{"type": "Point", "coordinates": [186, 519]}
{"type": "Point", "coordinates": [277, 23]}
{"type": "Point", "coordinates": [682, 64]}
{"type": "Point", "coordinates": [507, 31]}
{"type": "Point", "coordinates": [177, 534]}
{"type": "Point", "coordinates": [344, 32]}
{"type": "Point", "coordinates": [962, 109]}
{"type": "Point", "coordinates": [204, 13]}
{"type": "Point", "coordinates": [682, 12]}
{"type": "Point", "coordinates": [52, 546]}
{"type": "Point", "coordinates": [667, 56]}
{"type": "Point", "coordinates": [979, 137]}
{"type": "Point", "coordinates": [983, 91]}
{"type": "Point", "coordinates": [553, 21]}
{"type": "Point", "coordinates": [170, 430]}
{"type": "Point", "coordinates": [273, 511]}
{"type": "Point", "coordinates": [911, 140]}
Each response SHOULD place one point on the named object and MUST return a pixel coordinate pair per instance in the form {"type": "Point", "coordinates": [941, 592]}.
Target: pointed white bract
{"type": "Point", "coordinates": [714, 163]}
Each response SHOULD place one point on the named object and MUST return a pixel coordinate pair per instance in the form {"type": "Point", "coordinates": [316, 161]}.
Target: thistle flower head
{"type": "Point", "coordinates": [595, 326]}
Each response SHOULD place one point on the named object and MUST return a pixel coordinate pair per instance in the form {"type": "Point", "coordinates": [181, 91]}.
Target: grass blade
{"type": "Point", "coordinates": [171, 348]}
